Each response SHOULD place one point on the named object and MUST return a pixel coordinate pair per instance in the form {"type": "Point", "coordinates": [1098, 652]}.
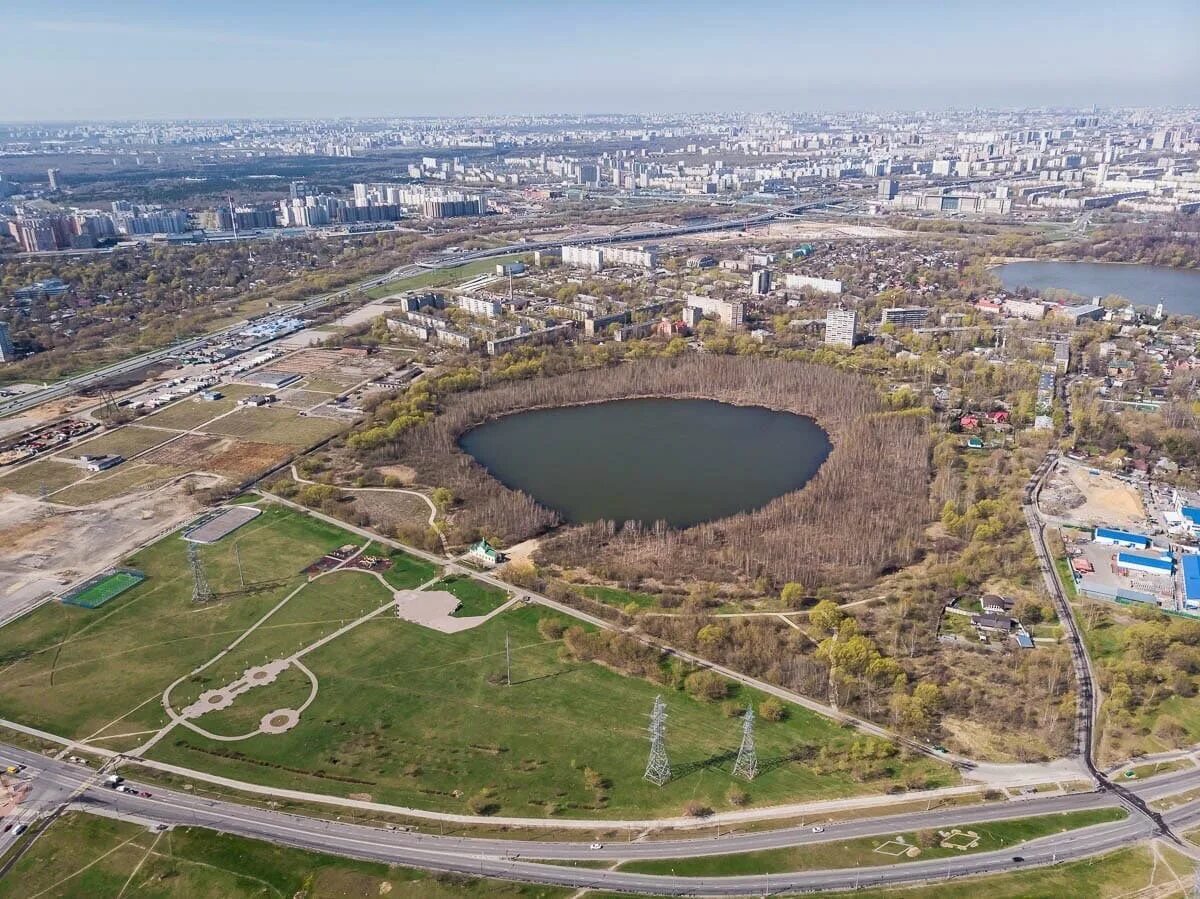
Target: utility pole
{"type": "Point", "coordinates": [658, 768]}
{"type": "Point", "coordinates": [747, 760]}
{"type": "Point", "coordinates": [507, 661]}
{"type": "Point", "coordinates": [237, 553]}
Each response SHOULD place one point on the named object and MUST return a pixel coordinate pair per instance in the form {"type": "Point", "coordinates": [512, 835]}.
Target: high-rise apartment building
{"type": "Point", "coordinates": [7, 353]}
{"type": "Point", "coordinates": [841, 324]}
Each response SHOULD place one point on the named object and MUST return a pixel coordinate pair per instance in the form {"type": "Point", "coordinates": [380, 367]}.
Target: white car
{"type": "Point", "coordinates": [596, 846]}
{"type": "Point", "coordinates": [817, 828]}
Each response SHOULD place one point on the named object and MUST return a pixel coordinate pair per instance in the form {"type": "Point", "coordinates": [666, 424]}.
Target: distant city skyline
{"type": "Point", "coordinates": [67, 60]}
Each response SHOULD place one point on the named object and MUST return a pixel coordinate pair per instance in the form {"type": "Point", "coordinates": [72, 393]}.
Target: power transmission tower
{"type": "Point", "coordinates": [747, 761]}
{"type": "Point", "coordinates": [658, 769]}
{"type": "Point", "coordinates": [201, 592]}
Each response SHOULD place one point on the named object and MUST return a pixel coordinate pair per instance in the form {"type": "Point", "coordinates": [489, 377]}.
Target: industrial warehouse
{"type": "Point", "coordinates": [1129, 568]}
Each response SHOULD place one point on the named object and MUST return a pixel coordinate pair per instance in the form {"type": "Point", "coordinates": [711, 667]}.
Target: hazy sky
{"type": "Point", "coordinates": [61, 59]}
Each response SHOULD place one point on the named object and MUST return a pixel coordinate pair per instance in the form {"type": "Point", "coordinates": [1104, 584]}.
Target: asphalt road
{"type": "Point", "coordinates": [512, 859]}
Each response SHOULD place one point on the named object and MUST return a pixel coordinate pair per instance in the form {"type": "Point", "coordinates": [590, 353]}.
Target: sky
{"type": "Point", "coordinates": [67, 60]}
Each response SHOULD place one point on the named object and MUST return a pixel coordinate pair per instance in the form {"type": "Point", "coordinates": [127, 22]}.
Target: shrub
{"type": "Point", "coordinates": [772, 710]}
{"type": "Point", "coordinates": [707, 685]}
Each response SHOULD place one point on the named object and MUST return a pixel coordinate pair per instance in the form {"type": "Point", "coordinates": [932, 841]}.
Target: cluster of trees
{"type": "Point", "coordinates": [1173, 242]}
{"type": "Point", "coordinates": [1156, 659]}
{"type": "Point", "coordinates": [811, 536]}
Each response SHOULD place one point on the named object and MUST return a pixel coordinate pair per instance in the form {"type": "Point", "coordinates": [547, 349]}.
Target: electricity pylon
{"type": "Point", "coordinates": [658, 769]}
{"type": "Point", "coordinates": [747, 760]}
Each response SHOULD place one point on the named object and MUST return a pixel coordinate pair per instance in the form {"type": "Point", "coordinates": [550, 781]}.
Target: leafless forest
{"type": "Point", "coordinates": [863, 512]}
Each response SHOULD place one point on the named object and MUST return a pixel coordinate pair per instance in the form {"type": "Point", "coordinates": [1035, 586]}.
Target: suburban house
{"type": "Point", "coordinates": [992, 624]}
{"type": "Point", "coordinates": [994, 604]}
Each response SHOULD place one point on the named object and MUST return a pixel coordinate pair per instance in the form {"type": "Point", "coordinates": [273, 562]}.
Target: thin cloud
{"type": "Point", "coordinates": [191, 35]}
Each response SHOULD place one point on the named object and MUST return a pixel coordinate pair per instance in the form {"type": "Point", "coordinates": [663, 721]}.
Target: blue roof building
{"type": "Point", "coordinates": [1122, 538]}
{"type": "Point", "coordinates": [1191, 580]}
{"type": "Point", "coordinates": [1160, 564]}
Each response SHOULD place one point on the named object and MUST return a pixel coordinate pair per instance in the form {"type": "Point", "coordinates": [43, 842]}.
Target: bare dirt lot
{"type": "Point", "coordinates": [241, 459]}
{"type": "Point", "coordinates": [797, 229]}
{"type": "Point", "coordinates": [1092, 499]}
{"type": "Point", "coordinates": [48, 546]}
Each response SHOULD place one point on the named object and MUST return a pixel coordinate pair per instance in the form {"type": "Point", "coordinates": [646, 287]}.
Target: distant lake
{"type": "Point", "coordinates": [682, 461]}
{"type": "Point", "coordinates": [1146, 285]}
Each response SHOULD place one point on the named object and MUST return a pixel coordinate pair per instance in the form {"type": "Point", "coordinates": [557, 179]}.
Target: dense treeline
{"type": "Point", "coordinates": [1173, 242]}
{"type": "Point", "coordinates": [862, 513]}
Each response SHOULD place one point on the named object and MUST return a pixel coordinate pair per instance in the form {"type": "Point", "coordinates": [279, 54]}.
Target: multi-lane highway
{"type": "Point", "coordinates": [525, 860]}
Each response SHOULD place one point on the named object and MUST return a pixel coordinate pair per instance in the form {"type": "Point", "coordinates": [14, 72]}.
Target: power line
{"type": "Point", "coordinates": [747, 761]}
{"type": "Point", "coordinates": [658, 768]}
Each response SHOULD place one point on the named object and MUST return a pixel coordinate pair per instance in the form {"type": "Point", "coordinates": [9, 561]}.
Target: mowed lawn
{"type": "Point", "coordinates": [74, 671]}
{"type": "Point", "coordinates": [477, 598]}
{"type": "Point", "coordinates": [85, 856]}
{"type": "Point", "coordinates": [414, 717]}
{"type": "Point", "coordinates": [317, 610]}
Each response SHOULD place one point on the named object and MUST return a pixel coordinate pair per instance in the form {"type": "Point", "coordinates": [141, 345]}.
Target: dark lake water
{"type": "Point", "coordinates": [683, 461]}
{"type": "Point", "coordinates": [1146, 285]}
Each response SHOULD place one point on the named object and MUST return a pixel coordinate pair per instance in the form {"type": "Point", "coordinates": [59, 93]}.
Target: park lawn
{"type": "Point", "coordinates": [49, 473]}
{"type": "Point", "coordinates": [125, 478]}
{"type": "Point", "coordinates": [321, 607]}
{"type": "Point", "coordinates": [290, 690]}
{"type": "Point", "coordinates": [407, 571]}
{"type": "Point", "coordinates": [126, 441]}
{"type": "Point", "coordinates": [275, 425]}
{"type": "Point", "coordinates": [72, 671]}
{"type": "Point", "coordinates": [84, 856]}
{"type": "Point", "coordinates": [476, 597]}
{"type": "Point", "coordinates": [861, 851]}
{"type": "Point", "coordinates": [619, 598]}
{"type": "Point", "coordinates": [414, 717]}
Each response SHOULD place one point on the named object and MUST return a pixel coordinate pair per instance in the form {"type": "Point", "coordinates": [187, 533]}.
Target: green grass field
{"type": "Point", "coordinates": [49, 473]}
{"type": "Point", "coordinates": [275, 425]}
{"type": "Point", "coordinates": [115, 482]}
{"type": "Point", "coordinates": [86, 857]}
{"type": "Point", "coordinates": [407, 571]}
{"type": "Point", "coordinates": [72, 671]}
{"type": "Point", "coordinates": [477, 598]}
{"type": "Point", "coordinates": [619, 598]}
{"type": "Point", "coordinates": [98, 593]}
{"type": "Point", "coordinates": [847, 854]}
{"type": "Point", "coordinates": [414, 717]}
{"type": "Point", "coordinates": [126, 441]}
{"type": "Point", "coordinates": [404, 714]}
{"type": "Point", "coordinates": [440, 277]}
{"type": "Point", "coordinates": [193, 412]}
